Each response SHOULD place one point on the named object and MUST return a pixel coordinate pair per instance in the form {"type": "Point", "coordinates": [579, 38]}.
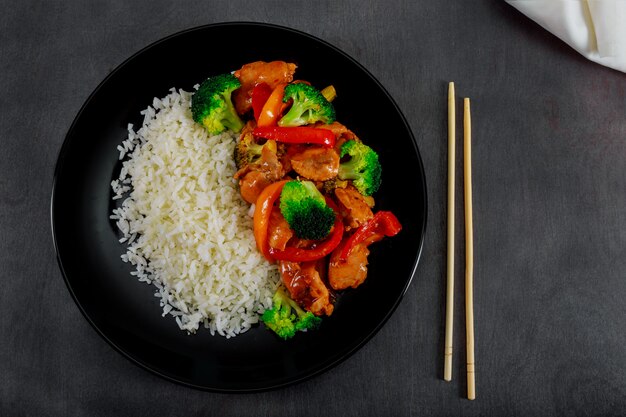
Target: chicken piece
{"type": "Point", "coordinates": [306, 287]}
{"type": "Point", "coordinates": [252, 184]}
{"type": "Point", "coordinates": [350, 273]}
{"type": "Point", "coordinates": [253, 178]}
{"type": "Point", "coordinates": [269, 165]}
{"type": "Point", "coordinates": [321, 265]}
{"type": "Point", "coordinates": [317, 164]}
{"type": "Point", "coordinates": [321, 304]}
{"type": "Point", "coordinates": [353, 206]}
{"type": "Point", "coordinates": [279, 231]}
{"type": "Point", "coordinates": [271, 73]}
{"type": "Point", "coordinates": [288, 152]}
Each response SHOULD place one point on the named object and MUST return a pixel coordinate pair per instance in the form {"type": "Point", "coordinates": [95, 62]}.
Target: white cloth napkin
{"type": "Point", "coordinates": [595, 28]}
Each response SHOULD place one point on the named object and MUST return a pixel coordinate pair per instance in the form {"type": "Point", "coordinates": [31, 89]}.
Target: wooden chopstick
{"type": "Point", "coordinates": [469, 243]}
{"type": "Point", "coordinates": [447, 366]}
{"type": "Point", "coordinates": [469, 250]}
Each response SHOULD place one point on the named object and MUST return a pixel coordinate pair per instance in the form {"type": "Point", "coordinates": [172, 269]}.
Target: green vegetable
{"type": "Point", "coordinates": [212, 107]}
{"type": "Point", "coordinates": [305, 209]}
{"type": "Point", "coordinates": [248, 151]}
{"type": "Point", "coordinates": [329, 186]}
{"type": "Point", "coordinates": [309, 106]}
{"type": "Point", "coordinates": [286, 317]}
{"type": "Point", "coordinates": [362, 168]}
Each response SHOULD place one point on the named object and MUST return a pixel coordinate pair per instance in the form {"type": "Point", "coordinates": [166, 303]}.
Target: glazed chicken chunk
{"type": "Point", "coordinates": [350, 273]}
{"type": "Point", "coordinates": [317, 164]}
{"type": "Point", "coordinates": [355, 207]}
{"type": "Point", "coordinates": [306, 287]}
{"type": "Point", "coordinates": [271, 73]}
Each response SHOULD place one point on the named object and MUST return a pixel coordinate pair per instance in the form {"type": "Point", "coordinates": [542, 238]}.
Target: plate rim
{"type": "Point", "coordinates": [61, 156]}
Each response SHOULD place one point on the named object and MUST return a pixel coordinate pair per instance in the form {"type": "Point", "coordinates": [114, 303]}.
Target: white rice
{"type": "Point", "coordinates": [188, 230]}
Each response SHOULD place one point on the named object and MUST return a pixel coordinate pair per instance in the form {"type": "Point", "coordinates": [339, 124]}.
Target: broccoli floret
{"type": "Point", "coordinates": [362, 168]}
{"type": "Point", "coordinates": [211, 104]}
{"type": "Point", "coordinates": [329, 186]}
{"type": "Point", "coordinates": [248, 151]}
{"type": "Point", "coordinates": [305, 209]}
{"type": "Point", "coordinates": [309, 106]}
{"type": "Point", "coordinates": [286, 317]}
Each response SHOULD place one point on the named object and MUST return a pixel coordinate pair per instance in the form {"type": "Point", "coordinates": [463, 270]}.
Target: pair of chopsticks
{"type": "Point", "coordinates": [469, 242]}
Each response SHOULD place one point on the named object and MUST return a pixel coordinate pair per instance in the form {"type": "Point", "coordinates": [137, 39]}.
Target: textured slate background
{"type": "Point", "coordinates": [549, 194]}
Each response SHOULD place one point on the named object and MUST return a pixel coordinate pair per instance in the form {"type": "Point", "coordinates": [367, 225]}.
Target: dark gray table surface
{"type": "Point", "coordinates": [549, 206]}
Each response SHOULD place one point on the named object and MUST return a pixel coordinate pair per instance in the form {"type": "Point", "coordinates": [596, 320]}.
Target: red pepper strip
{"type": "Point", "coordinates": [299, 134]}
{"type": "Point", "coordinates": [262, 212]}
{"type": "Point", "coordinates": [384, 223]}
{"type": "Point", "coordinates": [273, 107]}
{"type": "Point", "coordinates": [293, 254]}
{"type": "Point", "coordinates": [260, 93]}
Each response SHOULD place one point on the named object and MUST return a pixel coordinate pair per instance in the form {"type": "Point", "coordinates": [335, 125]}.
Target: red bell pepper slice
{"type": "Point", "coordinates": [260, 93]}
{"type": "Point", "coordinates": [384, 223]}
{"type": "Point", "coordinates": [293, 254]}
{"type": "Point", "coordinates": [299, 134]}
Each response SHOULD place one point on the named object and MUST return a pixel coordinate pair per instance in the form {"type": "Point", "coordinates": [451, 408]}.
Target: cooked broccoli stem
{"type": "Point", "coordinates": [363, 167]}
{"type": "Point", "coordinates": [211, 104]}
{"type": "Point", "coordinates": [305, 209]}
{"type": "Point", "coordinates": [286, 317]}
{"type": "Point", "coordinates": [309, 106]}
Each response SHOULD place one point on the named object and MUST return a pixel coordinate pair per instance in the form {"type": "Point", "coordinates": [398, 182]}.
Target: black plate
{"type": "Point", "coordinates": [125, 312]}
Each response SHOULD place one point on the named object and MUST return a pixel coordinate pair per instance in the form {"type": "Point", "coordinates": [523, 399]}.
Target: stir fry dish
{"type": "Point", "coordinates": [310, 182]}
